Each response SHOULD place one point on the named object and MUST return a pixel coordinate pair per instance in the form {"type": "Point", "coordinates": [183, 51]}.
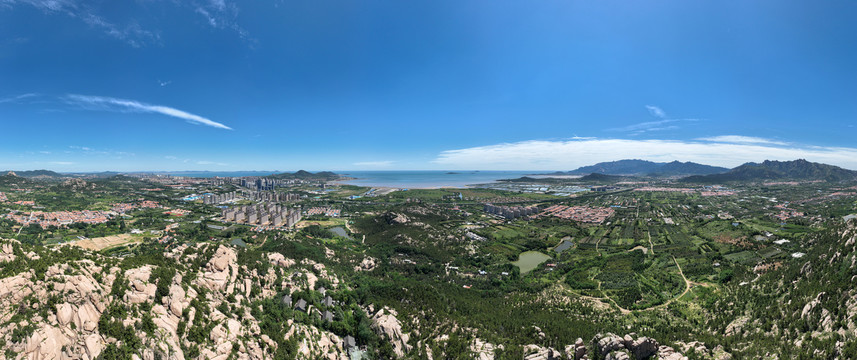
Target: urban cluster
{"type": "Point", "coordinates": [124, 208]}
{"type": "Point", "coordinates": [210, 199]}
{"type": "Point", "coordinates": [271, 196]}
{"type": "Point", "coordinates": [60, 218]}
{"type": "Point", "coordinates": [326, 211]}
{"type": "Point", "coordinates": [3, 197]}
{"type": "Point", "coordinates": [263, 214]}
{"type": "Point", "coordinates": [595, 215]}
{"type": "Point", "coordinates": [510, 212]}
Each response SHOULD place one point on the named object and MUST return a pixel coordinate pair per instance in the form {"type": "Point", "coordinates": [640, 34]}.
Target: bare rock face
{"type": "Point", "coordinates": [535, 352]}
{"type": "Point", "coordinates": [643, 347]}
{"type": "Point", "coordinates": [618, 355]}
{"type": "Point", "coordinates": [605, 344]}
{"type": "Point", "coordinates": [611, 346]}
{"type": "Point", "coordinates": [483, 350]}
{"type": "Point", "coordinates": [14, 289]}
{"type": "Point", "coordinates": [576, 351]}
{"type": "Point", "coordinates": [218, 276]}
{"type": "Point", "coordinates": [736, 326]}
{"type": "Point", "coordinates": [395, 219]}
{"type": "Point", "coordinates": [46, 343]}
{"type": "Point", "coordinates": [7, 253]}
{"type": "Point", "coordinates": [141, 290]}
{"type": "Point", "coordinates": [668, 353]}
{"type": "Point", "coordinates": [368, 264]}
{"type": "Point", "coordinates": [278, 259]}
{"type": "Point", "coordinates": [385, 323]}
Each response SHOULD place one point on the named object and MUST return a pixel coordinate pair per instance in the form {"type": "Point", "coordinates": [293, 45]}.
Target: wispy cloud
{"type": "Point", "coordinates": [739, 139]}
{"type": "Point", "coordinates": [221, 14]}
{"type": "Point", "coordinates": [656, 111]}
{"type": "Point", "coordinates": [383, 163]}
{"type": "Point", "coordinates": [550, 155]}
{"type": "Point", "coordinates": [131, 33]}
{"type": "Point", "coordinates": [61, 163]}
{"type": "Point", "coordinates": [664, 123]}
{"type": "Point", "coordinates": [124, 105]}
{"type": "Point", "coordinates": [164, 83]}
{"type": "Point", "coordinates": [203, 162]}
{"type": "Point", "coordinates": [17, 98]}
{"type": "Point", "coordinates": [649, 126]}
{"type": "Point", "coordinates": [85, 150]}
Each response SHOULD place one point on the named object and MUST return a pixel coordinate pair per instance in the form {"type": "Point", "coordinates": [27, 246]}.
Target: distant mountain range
{"type": "Point", "coordinates": [306, 175]}
{"type": "Point", "coordinates": [35, 173]}
{"type": "Point", "coordinates": [646, 168]}
{"type": "Point", "coordinates": [777, 170]}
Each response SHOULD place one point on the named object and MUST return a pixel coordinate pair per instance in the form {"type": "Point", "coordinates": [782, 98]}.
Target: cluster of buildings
{"type": "Point", "coordinates": [326, 211]}
{"type": "Point", "coordinates": [25, 202]}
{"type": "Point", "coordinates": [786, 212]}
{"type": "Point", "coordinates": [594, 215]}
{"type": "Point", "coordinates": [211, 199]}
{"type": "Point", "coordinates": [263, 214]}
{"type": "Point", "coordinates": [3, 197]}
{"type": "Point", "coordinates": [261, 183]}
{"type": "Point", "coordinates": [60, 218]}
{"type": "Point", "coordinates": [666, 189]}
{"type": "Point", "coordinates": [177, 212]}
{"type": "Point", "coordinates": [124, 208]}
{"type": "Point", "coordinates": [510, 212]}
{"type": "Point", "coordinates": [271, 196]}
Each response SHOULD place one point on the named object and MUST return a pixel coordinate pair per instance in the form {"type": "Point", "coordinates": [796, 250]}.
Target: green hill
{"type": "Point", "coordinates": [645, 167]}
{"type": "Point", "coordinates": [306, 175]}
{"type": "Point", "coordinates": [778, 170]}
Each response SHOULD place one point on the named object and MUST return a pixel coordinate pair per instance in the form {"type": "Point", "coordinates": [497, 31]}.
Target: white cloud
{"type": "Point", "coordinates": [61, 163]}
{"type": "Point", "coordinates": [17, 98]}
{"type": "Point", "coordinates": [739, 139]}
{"type": "Point", "coordinates": [384, 163]}
{"type": "Point", "coordinates": [566, 155]}
{"type": "Point", "coordinates": [203, 162]}
{"type": "Point", "coordinates": [123, 105]}
{"type": "Point", "coordinates": [132, 33]}
{"type": "Point", "coordinates": [648, 126]}
{"type": "Point", "coordinates": [656, 111]}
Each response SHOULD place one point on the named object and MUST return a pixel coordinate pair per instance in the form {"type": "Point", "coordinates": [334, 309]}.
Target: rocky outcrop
{"type": "Point", "coordinates": [736, 326]}
{"type": "Point", "coordinates": [611, 346]}
{"type": "Point", "coordinates": [483, 350]}
{"type": "Point", "coordinates": [7, 253]}
{"type": "Point", "coordinates": [576, 351]}
{"type": "Point", "coordinates": [368, 264]}
{"type": "Point", "coordinates": [385, 323]}
{"type": "Point", "coordinates": [395, 219]}
{"type": "Point", "coordinates": [535, 352]}
{"type": "Point", "coordinates": [278, 259]}
{"type": "Point", "coordinates": [221, 270]}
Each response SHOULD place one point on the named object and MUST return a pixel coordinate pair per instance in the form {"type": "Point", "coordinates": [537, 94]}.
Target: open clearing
{"type": "Point", "coordinates": [105, 242]}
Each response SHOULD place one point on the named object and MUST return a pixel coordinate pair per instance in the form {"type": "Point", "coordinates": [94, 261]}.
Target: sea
{"type": "Point", "coordinates": [415, 179]}
{"type": "Point", "coordinates": [420, 179]}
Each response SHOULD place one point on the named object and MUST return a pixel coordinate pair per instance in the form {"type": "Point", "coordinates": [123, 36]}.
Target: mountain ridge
{"type": "Point", "coordinates": [645, 167]}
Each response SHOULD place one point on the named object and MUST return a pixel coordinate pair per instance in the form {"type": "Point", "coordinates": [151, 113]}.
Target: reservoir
{"type": "Point", "coordinates": [528, 260]}
{"type": "Point", "coordinates": [340, 231]}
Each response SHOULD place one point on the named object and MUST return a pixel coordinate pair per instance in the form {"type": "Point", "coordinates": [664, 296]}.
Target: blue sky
{"type": "Point", "coordinates": [345, 85]}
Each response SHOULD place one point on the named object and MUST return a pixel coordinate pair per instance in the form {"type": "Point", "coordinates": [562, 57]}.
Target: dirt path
{"type": "Point", "coordinates": [651, 245]}
{"type": "Point", "coordinates": [688, 284]}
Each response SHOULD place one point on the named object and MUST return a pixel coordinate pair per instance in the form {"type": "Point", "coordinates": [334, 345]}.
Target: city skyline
{"type": "Point", "coordinates": [231, 86]}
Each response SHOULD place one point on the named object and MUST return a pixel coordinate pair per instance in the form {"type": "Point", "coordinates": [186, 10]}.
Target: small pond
{"type": "Point", "coordinates": [339, 231]}
{"type": "Point", "coordinates": [528, 260]}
